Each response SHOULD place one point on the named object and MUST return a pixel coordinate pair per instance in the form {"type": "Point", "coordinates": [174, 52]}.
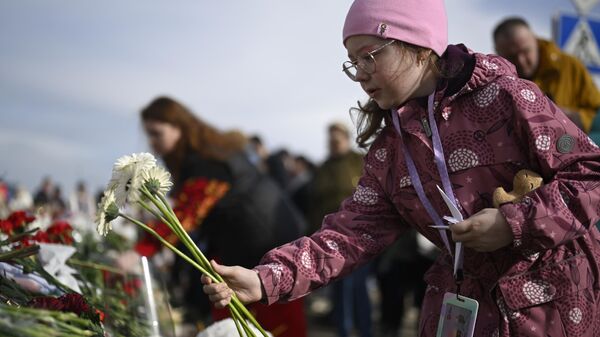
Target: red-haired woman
{"type": "Point", "coordinates": [230, 209]}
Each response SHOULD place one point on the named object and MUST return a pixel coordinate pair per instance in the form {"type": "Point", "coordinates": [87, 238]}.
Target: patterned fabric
{"type": "Point", "coordinates": [546, 283]}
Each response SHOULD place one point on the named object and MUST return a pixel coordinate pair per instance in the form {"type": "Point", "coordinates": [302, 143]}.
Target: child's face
{"type": "Point", "coordinates": [397, 77]}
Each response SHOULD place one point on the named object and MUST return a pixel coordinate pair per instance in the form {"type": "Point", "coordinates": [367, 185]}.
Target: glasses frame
{"type": "Point", "coordinates": [368, 57]}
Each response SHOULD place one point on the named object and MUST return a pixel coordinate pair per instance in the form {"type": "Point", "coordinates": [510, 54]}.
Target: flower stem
{"type": "Point", "coordinates": [236, 302]}
{"type": "Point", "coordinates": [19, 253]}
{"type": "Point", "coordinates": [171, 220]}
{"type": "Point", "coordinates": [18, 237]}
{"type": "Point", "coordinates": [163, 205]}
{"type": "Point", "coordinates": [237, 324]}
{"type": "Point", "coordinates": [238, 317]}
{"type": "Point", "coordinates": [95, 266]}
{"type": "Point", "coordinates": [154, 212]}
{"type": "Point", "coordinates": [185, 235]}
{"type": "Point", "coordinates": [168, 245]}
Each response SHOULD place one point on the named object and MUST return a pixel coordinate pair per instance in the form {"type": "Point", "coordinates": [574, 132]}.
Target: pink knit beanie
{"type": "Point", "coordinates": [419, 22]}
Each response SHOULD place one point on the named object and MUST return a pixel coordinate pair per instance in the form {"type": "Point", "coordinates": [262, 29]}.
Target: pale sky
{"type": "Point", "coordinates": [74, 74]}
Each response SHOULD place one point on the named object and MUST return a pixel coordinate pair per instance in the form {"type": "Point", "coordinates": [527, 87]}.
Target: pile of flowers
{"type": "Point", "coordinates": [19, 226]}
{"type": "Point", "coordinates": [35, 322]}
{"type": "Point", "coordinates": [136, 179]}
{"type": "Point", "coordinates": [34, 302]}
{"type": "Point", "coordinates": [16, 223]}
{"type": "Point", "coordinates": [74, 303]}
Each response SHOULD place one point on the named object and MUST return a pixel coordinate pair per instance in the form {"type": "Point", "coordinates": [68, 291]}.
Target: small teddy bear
{"type": "Point", "coordinates": [524, 182]}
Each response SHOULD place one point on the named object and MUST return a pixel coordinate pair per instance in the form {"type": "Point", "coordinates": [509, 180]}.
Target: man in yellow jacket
{"type": "Point", "coordinates": [560, 76]}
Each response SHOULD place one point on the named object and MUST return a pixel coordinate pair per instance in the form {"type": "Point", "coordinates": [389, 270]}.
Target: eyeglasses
{"type": "Point", "coordinates": [366, 63]}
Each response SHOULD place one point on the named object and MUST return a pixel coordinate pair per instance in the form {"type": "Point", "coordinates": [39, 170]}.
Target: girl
{"type": "Point", "coordinates": [225, 204]}
{"type": "Point", "coordinates": [442, 115]}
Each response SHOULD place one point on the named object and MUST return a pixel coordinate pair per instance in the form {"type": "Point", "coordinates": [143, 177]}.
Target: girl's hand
{"type": "Point", "coordinates": [244, 282]}
{"type": "Point", "coordinates": [485, 231]}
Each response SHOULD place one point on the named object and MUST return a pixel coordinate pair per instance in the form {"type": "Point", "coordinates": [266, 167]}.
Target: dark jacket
{"type": "Point", "coordinates": [252, 218]}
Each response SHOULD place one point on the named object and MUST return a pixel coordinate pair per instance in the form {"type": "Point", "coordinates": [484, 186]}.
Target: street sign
{"type": "Point", "coordinates": [579, 36]}
{"type": "Point", "coordinates": [584, 6]}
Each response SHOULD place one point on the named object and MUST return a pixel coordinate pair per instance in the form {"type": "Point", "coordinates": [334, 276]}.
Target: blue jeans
{"type": "Point", "coordinates": [351, 303]}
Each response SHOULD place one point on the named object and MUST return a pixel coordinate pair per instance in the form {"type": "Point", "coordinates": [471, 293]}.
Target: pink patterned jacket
{"type": "Point", "coordinates": [546, 283]}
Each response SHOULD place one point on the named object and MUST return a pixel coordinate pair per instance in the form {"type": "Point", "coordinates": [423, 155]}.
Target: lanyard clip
{"type": "Point", "coordinates": [458, 279]}
{"type": "Point", "coordinates": [426, 127]}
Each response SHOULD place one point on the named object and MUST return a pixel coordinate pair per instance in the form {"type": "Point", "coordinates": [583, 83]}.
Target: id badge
{"type": "Point", "coordinates": [458, 316]}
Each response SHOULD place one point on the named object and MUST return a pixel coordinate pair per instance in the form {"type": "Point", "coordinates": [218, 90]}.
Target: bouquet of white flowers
{"type": "Point", "coordinates": [137, 179]}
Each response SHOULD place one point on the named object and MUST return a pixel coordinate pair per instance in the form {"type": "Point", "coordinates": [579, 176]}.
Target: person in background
{"type": "Point", "coordinates": [81, 201]}
{"type": "Point", "coordinates": [22, 199]}
{"type": "Point", "coordinates": [411, 252]}
{"type": "Point", "coordinates": [277, 164]}
{"type": "Point", "coordinates": [562, 77]}
{"type": "Point", "coordinates": [259, 153]}
{"type": "Point", "coordinates": [45, 193]}
{"type": "Point", "coordinates": [302, 172]}
{"type": "Point", "coordinates": [337, 176]}
{"type": "Point", "coordinates": [333, 182]}
{"type": "Point", "coordinates": [57, 203]}
{"type": "Point", "coordinates": [231, 210]}
{"type": "Point", "coordinates": [4, 199]}
{"type": "Point", "coordinates": [4, 191]}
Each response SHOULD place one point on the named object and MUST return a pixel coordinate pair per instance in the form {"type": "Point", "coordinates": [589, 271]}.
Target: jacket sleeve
{"type": "Point", "coordinates": [366, 223]}
{"type": "Point", "coordinates": [568, 203]}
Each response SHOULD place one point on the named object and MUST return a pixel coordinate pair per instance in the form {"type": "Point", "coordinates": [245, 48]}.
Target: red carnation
{"type": "Point", "coordinates": [6, 227]}
{"type": "Point", "coordinates": [131, 287]}
{"type": "Point", "coordinates": [26, 242]}
{"type": "Point", "coordinates": [41, 237]}
{"type": "Point", "coordinates": [60, 232]}
{"type": "Point", "coordinates": [20, 219]}
{"type": "Point", "coordinates": [75, 303]}
{"type": "Point", "coordinates": [59, 227]}
{"type": "Point", "coordinates": [46, 302]}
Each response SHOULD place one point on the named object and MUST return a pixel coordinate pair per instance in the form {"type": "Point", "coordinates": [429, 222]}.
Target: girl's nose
{"type": "Point", "coordinates": [361, 75]}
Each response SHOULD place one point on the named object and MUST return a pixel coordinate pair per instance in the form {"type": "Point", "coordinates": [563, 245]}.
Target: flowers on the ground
{"type": "Point", "coordinates": [15, 223]}
{"type": "Point", "coordinates": [60, 232]}
{"type": "Point", "coordinates": [74, 303]}
{"type": "Point", "coordinates": [38, 300]}
{"type": "Point", "coordinates": [19, 226]}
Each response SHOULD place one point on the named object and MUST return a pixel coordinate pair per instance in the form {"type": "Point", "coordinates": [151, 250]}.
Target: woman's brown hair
{"type": "Point", "coordinates": [197, 136]}
{"type": "Point", "coordinates": [369, 117]}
